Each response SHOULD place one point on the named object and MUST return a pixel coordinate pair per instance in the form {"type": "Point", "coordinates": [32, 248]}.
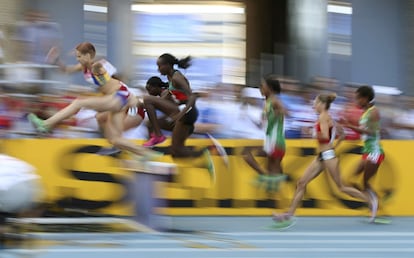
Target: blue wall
{"type": "Point", "coordinates": [378, 42]}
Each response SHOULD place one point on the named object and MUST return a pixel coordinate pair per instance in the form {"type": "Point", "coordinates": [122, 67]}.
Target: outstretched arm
{"type": "Point", "coordinates": [369, 130]}
{"type": "Point", "coordinates": [341, 135]}
{"type": "Point", "coordinates": [53, 57]}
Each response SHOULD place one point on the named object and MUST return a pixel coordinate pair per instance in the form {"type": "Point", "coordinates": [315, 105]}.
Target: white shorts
{"type": "Point", "coordinates": [327, 155]}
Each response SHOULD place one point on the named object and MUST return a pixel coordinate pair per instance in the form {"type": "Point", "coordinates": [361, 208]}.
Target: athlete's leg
{"type": "Point", "coordinates": [251, 161]}
{"type": "Point", "coordinates": [100, 104]}
{"type": "Point", "coordinates": [274, 165]}
{"type": "Point", "coordinates": [151, 104]}
{"type": "Point", "coordinates": [101, 119]}
{"type": "Point", "coordinates": [129, 121]}
{"type": "Point", "coordinates": [359, 169]}
{"type": "Point", "coordinates": [332, 166]}
{"type": "Point", "coordinates": [370, 170]}
{"type": "Point", "coordinates": [180, 134]}
{"type": "Point", "coordinates": [314, 169]}
{"type": "Point", "coordinates": [113, 133]}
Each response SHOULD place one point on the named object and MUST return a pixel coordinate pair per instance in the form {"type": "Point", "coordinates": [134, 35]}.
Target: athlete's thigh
{"type": "Point", "coordinates": [168, 107]}
{"type": "Point", "coordinates": [101, 104]}
{"type": "Point", "coordinates": [332, 167]}
{"type": "Point", "coordinates": [131, 121]}
{"type": "Point", "coordinates": [312, 171]}
{"type": "Point", "coordinates": [165, 124]}
{"type": "Point", "coordinates": [370, 169]}
{"type": "Point", "coordinates": [180, 134]}
{"type": "Point", "coordinates": [360, 167]}
{"type": "Point", "coordinates": [116, 121]}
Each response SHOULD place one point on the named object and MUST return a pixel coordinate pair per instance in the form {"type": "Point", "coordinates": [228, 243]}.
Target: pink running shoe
{"type": "Point", "coordinates": [154, 140]}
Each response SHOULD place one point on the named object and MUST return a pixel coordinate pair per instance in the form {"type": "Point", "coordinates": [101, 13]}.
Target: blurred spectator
{"type": "Point", "coordinates": [297, 101]}
{"type": "Point", "coordinates": [387, 105]}
{"type": "Point", "coordinates": [402, 125]}
{"type": "Point", "coordinates": [35, 36]}
{"type": "Point", "coordinates": [232, 112]}
{"type": "Point", "coordinates": [2, 47]}
{"type": "Point", "coordinates": [349, 111]}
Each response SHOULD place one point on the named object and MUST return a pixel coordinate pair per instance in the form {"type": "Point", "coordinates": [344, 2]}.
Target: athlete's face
{"type": "Point", "coordinates": [153, 90]}
{"type": "Point", "coordinates": [360, 101]}
{"type": "Point", "coordinates": [163, 67]}
{"type": "Point", "coordinates": [83, 59]}
{"type": "Point", "coordinates": [318, 105]}
{"type": "Point", "coordinates": [264, 89]}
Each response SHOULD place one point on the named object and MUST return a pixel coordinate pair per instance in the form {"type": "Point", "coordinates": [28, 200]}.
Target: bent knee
{"type": "Point", "coordinates": [148, 100]}
{"type": "Point", "coordinates": [101, 118]}
{"type": "Point", "coordinates": [115, 141]}
{"type": "Point", "coordinates": [301, 184]}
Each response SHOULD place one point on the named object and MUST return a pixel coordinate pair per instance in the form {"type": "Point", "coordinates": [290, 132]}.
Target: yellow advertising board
{"type": "Point", "coordinates": [75, 176]}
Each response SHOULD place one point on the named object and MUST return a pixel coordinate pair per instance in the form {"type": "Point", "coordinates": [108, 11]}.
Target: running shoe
{"type": "Point", "coordinates": [210, 164]}
{"type": "Point", "coordinates": [112, 151]}
{"type": "Point", "coordinates": [285, 224]}
{"type": "Point", "coordinates": [38, 124]}
{"type": "Point", "coordinates": [283, 221]}
{"type": "Point", "coordinates": [150, 155]}
{"type": "Point", "coordinates": [384, 221]}
{"type": "Point", "coordinates": [269, 183]}
{"type": "Point", "coordinates": [154, 140]}
{"type": "Point", "coordinates": [281, 216]}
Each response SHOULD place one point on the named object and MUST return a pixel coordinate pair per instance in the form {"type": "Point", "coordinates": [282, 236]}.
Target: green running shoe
{"type": "Point", "coordinates": [284, 224]}
{"type": "Point", "coordinates": [269, 183]}
{"type": "Point", "coordinates": [210, 164]}
{"type": "Point", "coordinates": [38, 124]}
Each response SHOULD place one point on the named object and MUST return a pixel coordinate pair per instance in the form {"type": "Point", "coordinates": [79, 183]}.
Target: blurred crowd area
{"type": "Point", "coordinates": [225, 111]}
{"type": "Point", "coordinates": [28, 84]}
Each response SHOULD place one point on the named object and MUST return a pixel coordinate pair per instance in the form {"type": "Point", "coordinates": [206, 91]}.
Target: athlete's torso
{"type": "Point", "coordinates": [104, 82]}
{"type": "Point", "coordinates": [371, 142]}
{"type": "Point", "coordinates": [275, 123]}
{"type": "Point", "coordinates": [178, 95]}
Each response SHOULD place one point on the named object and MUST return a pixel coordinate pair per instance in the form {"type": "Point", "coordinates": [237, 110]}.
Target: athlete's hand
{"type": "Point", "coordinates": [52, 56]}
{"type": "Point", "coordinates": [344, 122]}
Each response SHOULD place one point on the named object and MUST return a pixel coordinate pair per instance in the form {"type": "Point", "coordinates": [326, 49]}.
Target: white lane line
{"type": "Point", "coordinates": [181, 249]}
{"type": "Point", "coordinates": [255, 241]}
{"type": "Point", "coordinates": [321, 233]}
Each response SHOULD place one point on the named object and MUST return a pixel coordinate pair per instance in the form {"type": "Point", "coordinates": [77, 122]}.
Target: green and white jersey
{"type": "Point", "coordinates": [371, 142]}
{"type": "Point", "coordinates": [275, 132]}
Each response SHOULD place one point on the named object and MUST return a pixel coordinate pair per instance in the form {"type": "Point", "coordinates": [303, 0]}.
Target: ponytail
{"type": "Point", "coordinates": [172, 60]}
{"type": "Point", "coordinates": [327, 98]}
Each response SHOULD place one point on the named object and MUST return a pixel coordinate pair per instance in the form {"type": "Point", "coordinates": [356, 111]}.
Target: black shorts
{"type": "Point", "coordinates": [190, 117]}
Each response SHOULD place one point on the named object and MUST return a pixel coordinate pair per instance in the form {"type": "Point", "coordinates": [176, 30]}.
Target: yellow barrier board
{"type": "Point", "coordinates": [74, 176]}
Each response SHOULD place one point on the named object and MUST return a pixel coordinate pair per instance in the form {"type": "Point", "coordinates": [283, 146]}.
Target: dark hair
{"type": "Point", "coordinates": [273, 83]}
{"type": "Point", "coordinates": [172, 60]}
{"type": "Point", "coordinates": [366, 91]}
{"type": "Point", "coordinates": [156, 81]}
{"type": "Point", "coordinates": [327, 99]}
{"type": "Point", "coordinates": [86, 48]}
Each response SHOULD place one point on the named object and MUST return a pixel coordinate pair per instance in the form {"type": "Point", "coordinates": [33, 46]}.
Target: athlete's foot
{"type": "Point", "coordinates": [373, 204]}
{"type": "Point", "coordinates": [154, 140]}
{"type": "Point", "coordinates": [38, 124]}
{"type": "Point", "coordinates": [150, 155]}
{"type": "Point", "coordinates": [209, 164]}
{"type": "Point", "coordinates": [279, 217]}
{"type": "Point", "coordinates": [111, 151]}
{"type": "Point", "coordinates": [270, 183]}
